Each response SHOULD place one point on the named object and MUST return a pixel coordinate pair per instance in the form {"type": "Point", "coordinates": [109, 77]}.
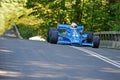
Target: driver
{"type": "Point", "coordinates": [73, 25]}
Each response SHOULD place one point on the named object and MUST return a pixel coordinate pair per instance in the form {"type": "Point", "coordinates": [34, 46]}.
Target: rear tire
{"type": "Point", "coordinates": [96, 41]}
{"type": "Point", "coordinates": [89, 37]}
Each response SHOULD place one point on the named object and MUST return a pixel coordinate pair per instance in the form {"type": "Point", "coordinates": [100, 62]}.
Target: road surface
{"type": "Point", "coordinates": [35, 60]}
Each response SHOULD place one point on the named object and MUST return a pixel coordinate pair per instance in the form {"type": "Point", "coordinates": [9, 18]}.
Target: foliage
{"type": "Point", "coordinates": [7, 13]}
{"type": "Point", "coordinates": [114, 19]}
{"type": "Point", "coordinates": [90, 13]}
{"type": "Point", "coordinates": [12, 12]}
{"type": "Point", "coordinates": [27, 31]}
{"type": "Point", "coordinates": [34, 17]}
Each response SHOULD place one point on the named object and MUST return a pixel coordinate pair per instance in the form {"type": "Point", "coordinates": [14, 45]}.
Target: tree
{"type": "Point", "coordinates": [114, 15]}
{"type": "Point", "coordinates": [13, 12]}
{"type": "Point", "coordinates": [39, 15]}
{"type": "Point", "coordinates": [8, 10]}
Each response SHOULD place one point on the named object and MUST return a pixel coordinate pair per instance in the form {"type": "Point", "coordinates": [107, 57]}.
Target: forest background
{"type": "Point", "coordinates": [34, 17]}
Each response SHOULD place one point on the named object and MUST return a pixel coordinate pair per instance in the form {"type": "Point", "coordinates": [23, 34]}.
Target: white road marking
{"type": "Point", "coordinates": [98, 56]}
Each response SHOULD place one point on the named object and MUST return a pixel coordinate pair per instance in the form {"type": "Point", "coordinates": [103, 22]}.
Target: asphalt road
{"type": "Point", "coordinates": [35, 60]}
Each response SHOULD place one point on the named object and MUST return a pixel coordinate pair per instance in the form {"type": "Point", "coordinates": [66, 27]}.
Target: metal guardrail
{"type": "Point", "coordinates": [109, 39]}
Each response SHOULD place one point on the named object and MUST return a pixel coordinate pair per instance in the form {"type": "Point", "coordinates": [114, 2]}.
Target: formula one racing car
{"type": "Point", "coordinates": [65, 34]}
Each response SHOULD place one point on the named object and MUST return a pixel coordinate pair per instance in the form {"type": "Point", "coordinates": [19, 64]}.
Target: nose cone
{"type": "Point", "coordinates": [75, 38]}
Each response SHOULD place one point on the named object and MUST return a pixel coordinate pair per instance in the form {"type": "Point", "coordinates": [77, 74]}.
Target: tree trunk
{"type": "Point", "coordinates": [78, 12]}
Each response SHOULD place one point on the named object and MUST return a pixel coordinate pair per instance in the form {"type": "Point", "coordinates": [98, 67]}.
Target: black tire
{"type": "Point", "coordinates": [49, 33]}
{"type": "Point", "coordinates": [54, 37]}
{"type": "Point", "coordinates": [96, 41]}
{"type": "Point", "coordinates": [89, 37]}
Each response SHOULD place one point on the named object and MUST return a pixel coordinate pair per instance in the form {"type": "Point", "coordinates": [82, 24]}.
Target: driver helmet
{"type": "Point", "coordinates": [73, 25]}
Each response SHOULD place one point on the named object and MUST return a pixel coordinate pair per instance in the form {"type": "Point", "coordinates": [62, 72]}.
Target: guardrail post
{"type": "Point", "coordinates": [17, 31]}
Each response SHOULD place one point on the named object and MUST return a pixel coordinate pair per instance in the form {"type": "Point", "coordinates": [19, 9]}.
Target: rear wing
{"type": "Point", "coordinates": [80, 28]}
{"type": "Point", "coordinates": [63, 26]}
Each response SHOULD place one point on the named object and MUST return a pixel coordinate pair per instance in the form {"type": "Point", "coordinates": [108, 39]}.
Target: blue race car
{"type": "Point", "coordinates": [64, 34]}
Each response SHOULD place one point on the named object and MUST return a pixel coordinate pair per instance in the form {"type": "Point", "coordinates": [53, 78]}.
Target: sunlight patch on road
{"type": "Point", "coordinates": [110, 70]}
{"type": "Point", "coordinates": [10, 73]}
{"type": "Point", "coordinates": [60, 76]}
{"type": "Point", "coordinates": [53, 65]}
{"type": "Point", "coordinates": [47, 75]}
{"type": "Point", "coordinates": [37, 38]}
{"type": "Point", "coordinates": [5, 51]}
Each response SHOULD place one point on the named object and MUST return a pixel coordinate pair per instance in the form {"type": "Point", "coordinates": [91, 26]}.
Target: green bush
{"type": "Point", "coordinates": [26, 31]}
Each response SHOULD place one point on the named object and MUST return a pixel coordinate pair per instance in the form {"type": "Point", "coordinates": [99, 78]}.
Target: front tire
{"type": "Point", "coordinates": [96, 41]}
{"type": "Point", "coordinates": [54, 37]}
{"type": "Point", "coordinates": [49, 33]}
